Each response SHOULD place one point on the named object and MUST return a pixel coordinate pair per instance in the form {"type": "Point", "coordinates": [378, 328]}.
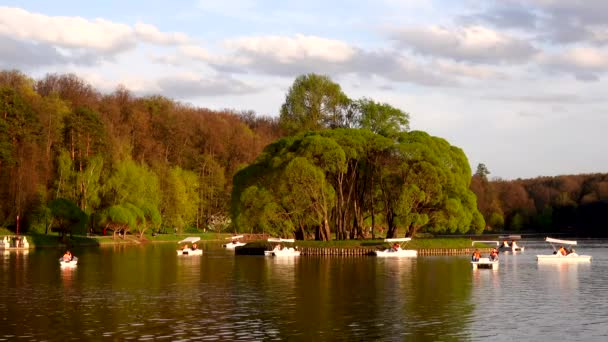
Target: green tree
{"type": "Point", "coordinates": [313, 102]}
{"type": "Point", "coordinates": [132, 190]}
{"type": "Point", "coordinates": [381, 118]}
{"type": "Point", "coordinates": [67, 217]}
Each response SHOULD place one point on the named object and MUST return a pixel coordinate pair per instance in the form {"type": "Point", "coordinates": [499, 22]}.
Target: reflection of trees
{"type": "Point", "coordinates": [438, 303]}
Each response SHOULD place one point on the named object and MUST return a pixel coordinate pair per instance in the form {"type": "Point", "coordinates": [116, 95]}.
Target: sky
{"type": "Point", "coordinates": [519, 85]}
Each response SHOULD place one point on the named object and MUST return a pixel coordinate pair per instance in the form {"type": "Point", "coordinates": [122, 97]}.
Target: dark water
{"type": "Point", "coordinates": [149, 293]}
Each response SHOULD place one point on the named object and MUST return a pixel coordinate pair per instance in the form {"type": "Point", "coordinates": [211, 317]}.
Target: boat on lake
{"type": "Point", "coordinates": [68, 263]}
{"type": "Point", "coordinates": [190, 250]}
{"type": "Point", "coordinates": [562, 254]}
{"type": "Point", "coordinates": [513, 246]}
{"type": "Point", "coordinates": [234, 243]}
{"type": "Point", "coordinates": [490, 262]}
{"type": "Point", "coordinates": [396, 250]}
{"type": "Point", "coordinates": [282, 251]}
{"type": "Point", "coordinates": [485, 263]}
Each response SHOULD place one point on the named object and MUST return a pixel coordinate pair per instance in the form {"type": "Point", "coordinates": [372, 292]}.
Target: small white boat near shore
{"type": "Point", "coordinates": [68, 263]}
{"type": "Point", "coordinates": [193, 249]}
{"type": "Point", "coordinates": [280, 250]}
{"type": "Point", "coordinates": [396, 250]}
{"type": "Point", "coordinates": [235, 242]}
{"type": "Point", "coordinates": [557, 256]}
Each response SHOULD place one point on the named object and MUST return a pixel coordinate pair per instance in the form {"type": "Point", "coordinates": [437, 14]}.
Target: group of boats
{"type": "Point", "coordinates": [561, 254]}
{"type": "Point", "coordinates": [280, 248]}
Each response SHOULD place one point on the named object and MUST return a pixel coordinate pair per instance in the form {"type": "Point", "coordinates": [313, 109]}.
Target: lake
{"type": "Point", "coordinates": [149, 293]}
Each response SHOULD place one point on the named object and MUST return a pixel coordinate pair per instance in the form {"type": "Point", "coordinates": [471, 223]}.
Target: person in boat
{"type": "Point", "coordinates": [476, 255]}
{"type": "Point", "coordinates": [505, 244]}
{"type": "Point", "coordinates": [278, 247]}
{"type": "Point", "coordinates": [396, 247]}
{"type": "Point", "coordinates": [514, 244]}
{"type": "Point", "coordinates": [194, 246]}
{"type": "Point", "coordinates": [67, 256]}
{"type": "Point", "coordinates": [494, 254]}
{"type": "Point", "coordinates": [562, 251]}
{"type": "Point", "coordinates": [185, 247]}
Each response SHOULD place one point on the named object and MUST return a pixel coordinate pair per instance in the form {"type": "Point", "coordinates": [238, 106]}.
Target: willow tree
{"type": "Point", "coordinates": [425, 184]}
{"type": "Point", "coordinates": [293, 172]}
{"type": "Point", "coordinates": [132, 193]}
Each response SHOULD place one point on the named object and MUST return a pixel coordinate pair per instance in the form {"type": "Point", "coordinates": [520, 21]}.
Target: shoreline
{"type": "Point", "coordinates": [424, 246]}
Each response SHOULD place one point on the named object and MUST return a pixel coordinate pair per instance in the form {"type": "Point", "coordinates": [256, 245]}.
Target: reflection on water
{"type": "Point", "coordinates": [148, 292]}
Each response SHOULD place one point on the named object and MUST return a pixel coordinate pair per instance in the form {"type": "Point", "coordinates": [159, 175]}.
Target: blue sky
{"type": "Point", "coordinates": [517, 84]}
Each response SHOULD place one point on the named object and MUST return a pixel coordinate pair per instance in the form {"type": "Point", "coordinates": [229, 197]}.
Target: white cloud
{"type": "Point", "coordinates": [472, 43]}
{"type": "Point", "coordinates": [151, 34]}
{"type": "Point", "coordinates": [287, 50]}
{"type": "Point", "coordinates": [585, 63]}
{"type": "Point", "coordinates": [72, 40]}
{"type": "Point", "coordinates": [67, 32]}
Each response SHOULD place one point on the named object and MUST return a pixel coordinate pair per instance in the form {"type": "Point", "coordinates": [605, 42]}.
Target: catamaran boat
{"type": "Point", "coordinates": [193, 249]}
{"type": "Point", "coordinates": [558, 256]}
{"type": "Point", "coordinates": [513, 247]}
{"type": "Point", "coordinates": [235, 242]}
{"type": "Point", "coordinates": [396, 250]}
{"type": "Point", "coordinates": [489, 262]}
{"type": "Point", "coordinates": [68, 263]}
{"type": "Point", "coordinates": [485, 263]}
{"type": "Point", "coordinates": [282, 251]}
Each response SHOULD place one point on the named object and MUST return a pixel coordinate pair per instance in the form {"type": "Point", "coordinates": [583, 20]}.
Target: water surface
{"type": "Point", "coordinates": [150, 293]}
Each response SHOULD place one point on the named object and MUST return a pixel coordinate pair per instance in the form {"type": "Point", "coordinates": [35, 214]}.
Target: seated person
{"type": "Point", "coordinates": [476, 255]}
{"type": "Point", "coordinates": [67, 256]}
{"type": "Point", "coordinates": [194, 246]}
{"type": "Point", "coordinates": [505, 244]}
{"type": "Point", "coordinates": [185, 247]}
{"type": "Point", "coordinates": [494, 254]}
{"type": "Point", "coordinates": [562, 251]}
{"type": "Point", "coordinates": [396, 247]}
{"type": "Point", "coordinates": [514, 244]}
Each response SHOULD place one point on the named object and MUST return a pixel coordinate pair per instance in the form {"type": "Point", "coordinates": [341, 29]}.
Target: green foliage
{"type": "Point", "coordinates": [423, 183]}
{"type": "Point", "coordinates": [313, 102]}
{"type": "Point", "coordinates": [68, 217]}
{"type": "Point", "coordinates": [381, 118]}
{"type": "Point", "coordinates": [180, 198]}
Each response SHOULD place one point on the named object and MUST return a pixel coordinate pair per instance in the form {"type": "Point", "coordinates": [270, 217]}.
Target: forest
{"type": "Point", "coordinates": [74, 160]}
{"type": "Point", "coordinates": [568, 204]}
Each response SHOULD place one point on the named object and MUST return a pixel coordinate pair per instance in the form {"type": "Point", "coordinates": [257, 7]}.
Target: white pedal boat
{"type": "Point", "coordinates": [558, 257]}
{"type": "Point", "coordinates": [194, 250]}
{"type": "Point", "coordinates": [396, 250]}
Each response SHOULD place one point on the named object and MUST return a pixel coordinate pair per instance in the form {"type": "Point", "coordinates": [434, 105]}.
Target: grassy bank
{"type": "Point", "coordinates": [53, 240]}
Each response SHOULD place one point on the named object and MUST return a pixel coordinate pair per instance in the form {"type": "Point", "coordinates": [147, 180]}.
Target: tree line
{"type": "Point", "coordinates": [75, 160]}
{"type": "Point", "coordinates": [570, 204]}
